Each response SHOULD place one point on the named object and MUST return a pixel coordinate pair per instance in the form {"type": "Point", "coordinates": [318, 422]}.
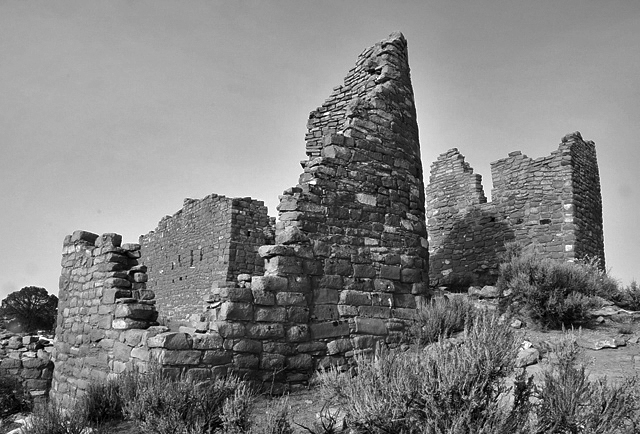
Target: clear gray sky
{"type": "Point", "coordinates": [112, 112]}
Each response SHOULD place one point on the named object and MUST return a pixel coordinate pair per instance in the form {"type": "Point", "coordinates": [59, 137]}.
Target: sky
{"type": "Point", "coordinates": [113, 112]}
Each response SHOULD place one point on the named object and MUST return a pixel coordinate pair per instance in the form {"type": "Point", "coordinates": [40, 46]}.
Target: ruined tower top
{"type": "Point", "coordinates": [377, 90]}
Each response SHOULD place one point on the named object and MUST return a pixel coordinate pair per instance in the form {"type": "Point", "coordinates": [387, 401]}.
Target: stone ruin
{"type": "Point", "coordinates": [552, 202]}
{"type": "Point", "coordinates": [340, 273]}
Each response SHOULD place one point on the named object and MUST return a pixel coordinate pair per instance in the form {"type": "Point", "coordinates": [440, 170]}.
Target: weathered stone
{"type": "Point", "coordinates": [217, 357]}
{"type": "Point", "coordinates": [271, 314]}
{"type": "Point", "coordinates": [236, 311]}
{"type": "Point", "coordinates": [171, 341]}
{"type": "Point", "coordinates": [370, 326]}
{"type": "Point", "coordinates": [248, 346]}
{"type": "Point", "coordinates": [265, 331]}
{"type": "Point", "coordinates": [329, 329]}
{"type": "Point", "coordinates": [269, 283]}
{"type": "Point", "coordinates": [179, 357]}
{"type": "Point", "coordinates": [206, 341]}
{"type": "Point", "coordinates": [526, 357]}
{"type": "Point", "coordinates": [339, 346]}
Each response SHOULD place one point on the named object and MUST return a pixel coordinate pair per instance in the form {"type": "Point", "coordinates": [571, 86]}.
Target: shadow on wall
{"type": "Point", "coordinates": [471, 251]}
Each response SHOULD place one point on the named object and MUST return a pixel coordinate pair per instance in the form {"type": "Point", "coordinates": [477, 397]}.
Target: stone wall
{"type": "Point", "coordinates": [102, 297]}
{"type": "Point", "coordinates": [208, 242]}
{"type": "Point", "coordinates": [350, 262]}
{"type": "Point", "coordinates": [27, 358]}
{"type": "Point", "coordinates": [553, 202]}
{"type": "Point", "coordinates": [348, 268]}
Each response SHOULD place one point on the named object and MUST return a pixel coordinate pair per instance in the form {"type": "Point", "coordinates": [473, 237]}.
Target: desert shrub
{"type": "Point", "coordinates": [628, 297]}
{"type": "Point", "coordinates": [568, 402]}
{"type": "Point", "coordinates": [161, 404]}
{"type": "Point", "coordinates": [552, 293]}
{"type": "Point", "coordinates": [49, 418]}
{"type": "Point", "coordinates": [13, 398]}
{"type": "Point", "coordinates": [103, 402]}
{"type": "Point", "coordinates": [440, 317]}
{"type": "Point", "coordinates": [278, 420]}
{"type": "Point", "coordinates": [441, 389]}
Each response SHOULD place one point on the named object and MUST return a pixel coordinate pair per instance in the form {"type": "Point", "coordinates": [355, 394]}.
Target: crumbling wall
{"type": "Point", "coordinates": [553, 202]}
{"type": "Point", "coordinates": [208, 242]}
{"type": "Point", "coordinates": [350, 261]}
{"type": "Point", "coordinates": [27, 358]}
{"type": "Point", "coordinates": [103, 302]}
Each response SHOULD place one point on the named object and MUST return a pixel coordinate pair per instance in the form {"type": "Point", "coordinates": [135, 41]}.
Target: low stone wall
{"type": "Point", "coordinates": [28, 359]}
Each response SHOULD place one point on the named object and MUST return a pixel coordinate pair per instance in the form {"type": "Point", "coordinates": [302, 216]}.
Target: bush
{"type": "Point", "coordinates": [103, 402]}
{"type": "Point", "coordinates": [441, 317]}
{"type": "Point", "coordinates": [550, 292]}
{"type": "Point", "coordinates": [570, 403]}
{"type": "Point", "coordinates": [161, 404]}
{"type": "Point", "coordinates": [51, 419]}
{"type": "Point", "coordinates": [629, 297]}
{"type": "Point", "coordinates": [438, 390]}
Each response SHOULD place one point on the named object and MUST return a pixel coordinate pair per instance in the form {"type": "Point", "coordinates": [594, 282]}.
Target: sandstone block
{"type": "Point", "coordinates": [325, 296]}
{"type": "Point", "coordinates": [248, 346]}
{"type": "Point", "coordinates": [179, 357]}
{"type": "Point", "coordinates": [217, 357]}
{"type": "Point", "coordinates": [291, 235]}
{"type": "Point", "coordinates": [329, 329]}
{"type": "Point", "coordinates": [236, 311]}
{"type": "Point", "coordinates": [375, 311]}
{"type": "Point", "coordinates": [291, 299]}
{"type": "Point", "coordinates": [326, 312]}
{"type": "Point", "coordinates": [140, 354]}
{"type": "Point", "coordinates": [127, 323]}
{"type": "Point", "coordinates": [391, 272]}
{"type": "Point", "coordinates": [339, 346]}
{"type": "Point", "coordinates": [269, 283]}
{"type": "Point", "coordinates": [370, 326]}
{"type": "Point", "coordinates": [298, 333]}
{"type": "Point", "coordinates": [302, 362]}
{"type": "Point", "coordinates": [246, 361]}
{"type": "Point", "coordinates": [279, 348]}
{"type": "Point", "coordinates": [265, 331]}
{"type": "Point", "coordinates": [206, 341]}
{"type": "Point", "coordinates": [228, 330]}
{"type": "Point", "coordinates": [270, 314]}
{"type": "Point", "coordinates": [297, 314]}
{"type": "Point", "coordinates": [272, 362]}
{"type": "Point", "coordinates": [263, 297]}
{"type": "Point", "coordinates": [170, 341]}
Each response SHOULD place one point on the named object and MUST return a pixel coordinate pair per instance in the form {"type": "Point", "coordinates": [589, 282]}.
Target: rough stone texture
{"type": "Point", "coordinates": [208, 242]}
{"type": "Point", "coordinates": [102, 297]}
{"type": "Point", "coordinates": [351, 244]}
{"type": "Point", "coordinates": [350, 263]}
{"type": "Point", "coordinates": [27, 358]}
{"type": "Point", "coordinates": [553, 202]}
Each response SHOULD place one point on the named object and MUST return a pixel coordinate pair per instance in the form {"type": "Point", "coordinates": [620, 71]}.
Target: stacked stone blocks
{"type": "Point", "coordinates": [209, 242]}
{"type": "Point", "coordinates": [553, 202]}
{"type": "Point", "coordinates": [27, 358]}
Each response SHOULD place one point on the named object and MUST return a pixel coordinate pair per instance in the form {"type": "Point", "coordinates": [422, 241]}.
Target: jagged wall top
{"type": "Point", "coordinates": [381, 72]}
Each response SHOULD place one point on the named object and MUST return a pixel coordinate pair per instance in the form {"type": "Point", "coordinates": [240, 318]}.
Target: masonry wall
{"type": "Point", "coordinates": [208, 242]}
{"type": "Point", "coordinates": [102, 298]}
{"type": "Point", "coordinates": [553, 202]}
{"type": "Point", "coordinates": [28, 359]}
{"type": "Point", "coordinates": [350, 261]}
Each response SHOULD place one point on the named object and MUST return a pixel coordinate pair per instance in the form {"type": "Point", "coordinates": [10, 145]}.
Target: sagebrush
{"type": "Point", "coordinates": [549, 292]}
